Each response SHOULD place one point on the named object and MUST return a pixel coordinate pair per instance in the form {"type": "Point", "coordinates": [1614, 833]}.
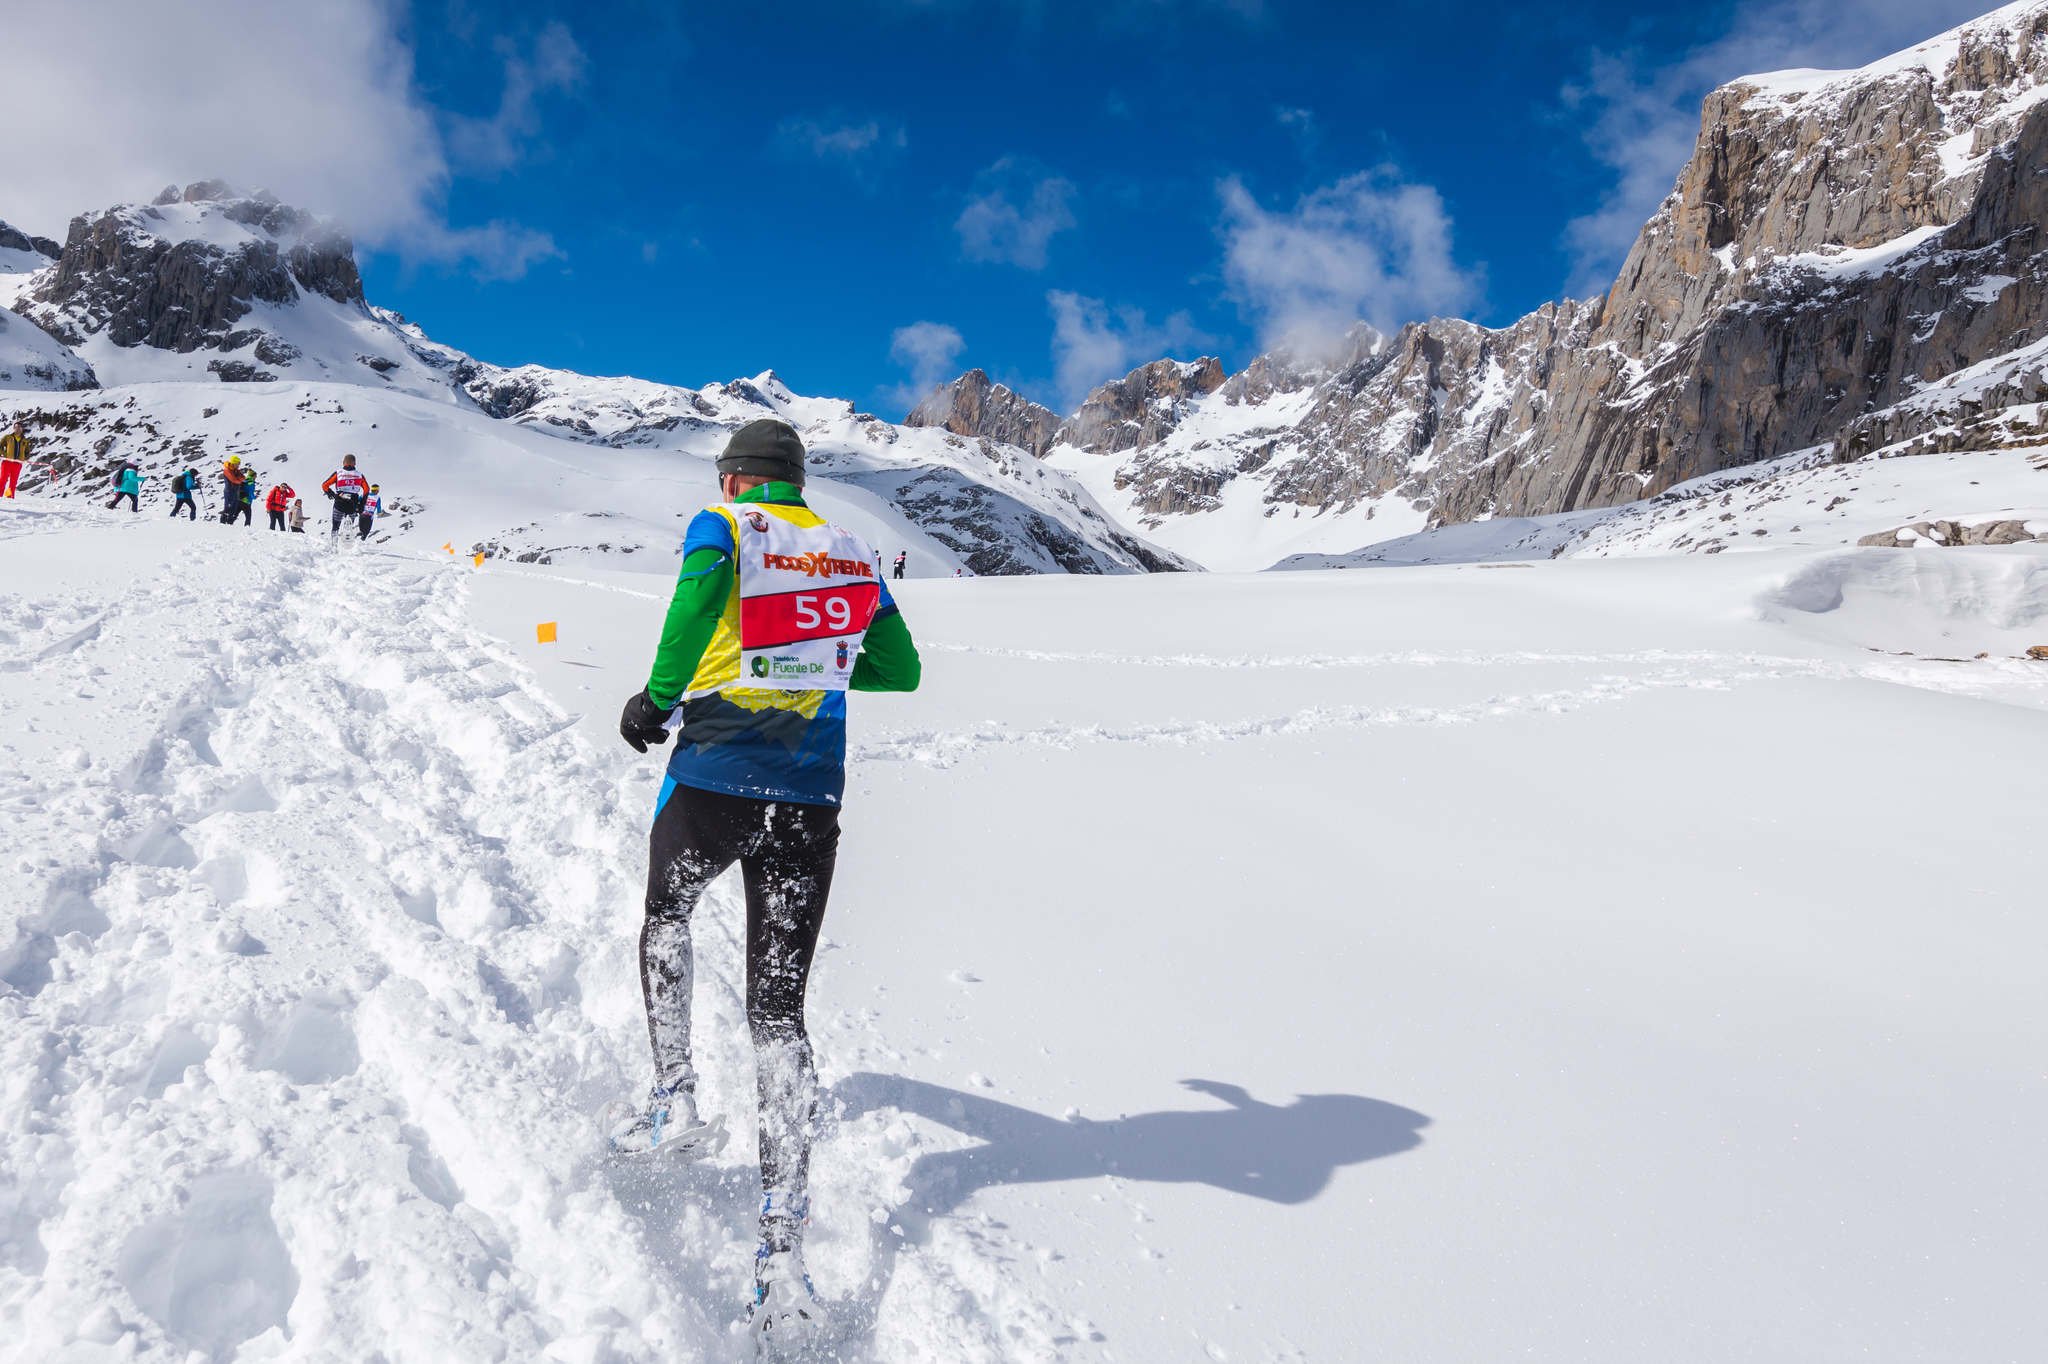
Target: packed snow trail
{"type": "Point", "coordinates": [326, 965]}
{"type": "Point", "coordinates": [1597, 961]}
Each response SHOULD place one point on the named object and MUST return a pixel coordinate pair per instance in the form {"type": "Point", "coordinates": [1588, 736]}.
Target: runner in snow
{"type": "Point", "coordinates": [901, 560]}
{"type": "Point", "coordinates": [14, 451]}
{"type": "Point", "coordinates": [373, 507]}
{"type": "Point", "coordinates": [348, 490]}
{"type": "Point", "coordinates": [298, 517]}
{"type": "Point", "coordinates": [127, 483]}
{"type": "Point", "coordinates": [182, 488]}
{"type": "Point", "coordinates": [280, 498]}
{"type": "Point", "coordinates": [234, 482]}
{"type": "Point", "coordinates": [776, 614]}
{"type": "Point", "coordinates": [245, 502]}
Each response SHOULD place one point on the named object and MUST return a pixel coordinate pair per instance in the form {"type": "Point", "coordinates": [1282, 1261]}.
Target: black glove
{"type": "Point", "coordinates": [643, 723]}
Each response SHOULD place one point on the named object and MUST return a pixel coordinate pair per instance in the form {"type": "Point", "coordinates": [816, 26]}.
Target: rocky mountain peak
{"type": "Point", "coordinates": [14, 239]}
{"type": "Point", "coordinates": [179, 274]}
{"type": "Point", "coordinates": [974, 406]}
{"type": "Point", "coordinates": [1142, 407]}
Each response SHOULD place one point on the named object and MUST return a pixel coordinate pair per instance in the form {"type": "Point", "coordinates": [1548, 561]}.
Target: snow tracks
{"type": "Point", "coordinates": [317, 954]}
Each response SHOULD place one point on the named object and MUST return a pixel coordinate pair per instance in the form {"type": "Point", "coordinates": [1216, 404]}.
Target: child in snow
{"type": "Point", "coordinates": [373, 507]}
{"type": "Point", "coordinates": [297, 519]}
{"type": "Point", "coordinates": [127, 483]}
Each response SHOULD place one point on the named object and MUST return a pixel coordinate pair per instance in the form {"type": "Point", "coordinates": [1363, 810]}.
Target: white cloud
{"type": "Point", "coordinates": [315, 102]}
{"type": "Point", "coordinates": [830, 140]}
{"type": "Point", "coordinates": [1302, 124]}
{"type": "Point", "coordinates": [552, 64]}
{"type": "Point", "coordinates": [1370, 247]}
{"type": "Point", "coordinates": [1093, 343]}
{"type": "Point", "coordinates": [1642, 122]}
{"type": "Point", "coordinates": [931, 352]}
{"type": "Point", "coordinates": [993, 228]}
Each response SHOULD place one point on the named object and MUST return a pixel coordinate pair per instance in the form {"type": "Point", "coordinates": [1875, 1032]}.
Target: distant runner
{"type": "Point", "coordinates": [348, 490]}
{"type": "Point", "coordinates": [127, 483]}
{"type": "Point", "coordinates": [15, 447]}
{"type": "Point", "coordinates": [901, 560]}
{"type": "Point", "coordinates": [776, 614]}
{"type": "Point", "coordinates": [234, 486]}
{"type": "Point", "coordinates": [182, 489]}
{"type": "Point", "coordinates": [373, 508]}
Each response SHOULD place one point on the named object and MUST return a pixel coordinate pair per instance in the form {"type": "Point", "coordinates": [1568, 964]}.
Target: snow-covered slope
{"type": "Point", "coordinates": [30, 358]}
{"type": "Point", "coordinates": [227, 323]}
{"type": "Point", "coordinates": [1219, 967]}
{"type": "Point", "coordinates": [1807, 500]}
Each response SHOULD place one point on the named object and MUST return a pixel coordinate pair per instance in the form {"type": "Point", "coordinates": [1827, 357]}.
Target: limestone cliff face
{"type": "Point", "coordinates": [180, 273]}
{"type": "Point", "coordinates": [1142, 407]}
{"type": "Point", "coordinates": [973, 406]}
{"type": "Point", "coordinates": [1848, 259]}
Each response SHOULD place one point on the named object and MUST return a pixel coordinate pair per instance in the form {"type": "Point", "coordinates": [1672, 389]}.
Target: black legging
{"type": "Point", "coordinates": [132, 504]}
{"type": "Point", "coordinates": [786, 852]}
{"type": "Point", "coordinates": [184, 503]}
{"type": "Point", "coordinates": [277, 520]}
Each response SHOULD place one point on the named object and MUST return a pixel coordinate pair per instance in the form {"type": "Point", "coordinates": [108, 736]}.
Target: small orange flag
{"type": "Point", "coordinates": [479, 561]}
{"type": "Point", "coordinates": [544, 632]}
{"type": "Point", "coordinates": [450, 546]}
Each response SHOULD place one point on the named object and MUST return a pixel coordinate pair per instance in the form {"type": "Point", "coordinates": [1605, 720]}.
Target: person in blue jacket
{"type": "Point", "coordinates": [183, 487]}
{"type": "Point", "coordinates": [127, 483]}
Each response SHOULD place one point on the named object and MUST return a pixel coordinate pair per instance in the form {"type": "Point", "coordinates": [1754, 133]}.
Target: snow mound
{"type": "Point", "coordinates": [1980, 601]}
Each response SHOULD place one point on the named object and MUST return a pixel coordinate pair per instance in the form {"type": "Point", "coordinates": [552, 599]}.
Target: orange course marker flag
{"type": "Point", "coordinates": [479, 561]}
{"type": "Point", "coordinates": [450, 546]}
{"type": "Point", "coordinates": [544, 632]}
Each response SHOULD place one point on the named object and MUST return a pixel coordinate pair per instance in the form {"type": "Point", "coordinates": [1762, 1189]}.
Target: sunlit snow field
{"type": "Point", "coordinates": [1626, 960]}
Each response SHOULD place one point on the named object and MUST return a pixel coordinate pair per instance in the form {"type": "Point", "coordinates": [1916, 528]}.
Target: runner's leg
{"type": "Point", "coordinates": [788, 880]}
{"type": "Point", "coordinates": [696, 836]}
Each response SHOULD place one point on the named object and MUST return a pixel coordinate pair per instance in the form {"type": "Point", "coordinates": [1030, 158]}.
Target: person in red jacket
{"type": "Point", "coordinates": [279, 500]}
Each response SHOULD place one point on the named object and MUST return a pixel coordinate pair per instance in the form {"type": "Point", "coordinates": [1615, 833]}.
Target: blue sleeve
{"type": "Point", "coordinates": [709, 530]}
{"type": "Point", "coordinates": [888, 600]}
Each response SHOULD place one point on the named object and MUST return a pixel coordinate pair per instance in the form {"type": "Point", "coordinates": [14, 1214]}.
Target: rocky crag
{"type": "Point", "coordinates": [1849, 259]}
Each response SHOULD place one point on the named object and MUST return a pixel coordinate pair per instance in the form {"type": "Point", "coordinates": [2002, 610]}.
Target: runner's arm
{"type": "Point", "coordinates": [694, 612]}
{"type": "Point", "coordinates": [888, 657]}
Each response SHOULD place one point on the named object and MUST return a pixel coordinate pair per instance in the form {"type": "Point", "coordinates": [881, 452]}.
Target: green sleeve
{"type": "Point", "coordinates": [693, 616]}
{"type": "Point", "coordinates": [888, 659]}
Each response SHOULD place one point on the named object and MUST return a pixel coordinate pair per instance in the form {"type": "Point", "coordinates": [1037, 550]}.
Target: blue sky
{"type": "Point", "coordinates": [865, 197]}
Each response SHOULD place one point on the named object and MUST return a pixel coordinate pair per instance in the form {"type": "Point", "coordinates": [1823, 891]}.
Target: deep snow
{"type": "Point", "coordinates": [1590, 960]}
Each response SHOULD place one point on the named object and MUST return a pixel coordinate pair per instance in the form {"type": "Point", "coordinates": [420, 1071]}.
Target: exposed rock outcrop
{"type": "Point", "coordinates": [974, 406]}
{"type": "Point", "coordinates": [1142, 407]}
{"type": "Point", "coordinates": [1949, 534]}
{"type": "Point", "coordinates": [14, 239]}
{"type": "Point", "coordinates": [179, 275]}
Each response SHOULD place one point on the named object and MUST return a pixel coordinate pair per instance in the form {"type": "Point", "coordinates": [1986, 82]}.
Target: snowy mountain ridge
{"type": "Point", "coordinates": [209, 301]}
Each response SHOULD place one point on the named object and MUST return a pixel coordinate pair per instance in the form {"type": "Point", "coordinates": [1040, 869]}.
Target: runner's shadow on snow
{"type": "Point", "coordinates": [1282, 1153]}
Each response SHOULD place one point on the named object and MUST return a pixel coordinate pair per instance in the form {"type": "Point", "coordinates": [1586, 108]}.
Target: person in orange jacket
{"type": "Point", "coordinates": [276, 504]}
{"type": "Point", "coordinates": [234, 490]}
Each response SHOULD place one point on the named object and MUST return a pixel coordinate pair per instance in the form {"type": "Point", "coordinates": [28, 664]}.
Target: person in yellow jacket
{"type": "Point", "coordinates": [14, 450]}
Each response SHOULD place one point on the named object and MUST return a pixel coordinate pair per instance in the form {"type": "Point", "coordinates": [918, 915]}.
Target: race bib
{"type": "Point", "coordinates": [807, 597]}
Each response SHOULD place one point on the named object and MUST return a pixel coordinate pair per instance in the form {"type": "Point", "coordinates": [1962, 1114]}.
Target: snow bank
{"type": "Point", "coordinates": [1292, 966]}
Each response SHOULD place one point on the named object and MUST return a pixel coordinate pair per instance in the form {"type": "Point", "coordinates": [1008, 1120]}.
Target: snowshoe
{"type": "Point", "coordinates": [788, 1324]}
{"type": "Point", "coordinates": [666, 1127]}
